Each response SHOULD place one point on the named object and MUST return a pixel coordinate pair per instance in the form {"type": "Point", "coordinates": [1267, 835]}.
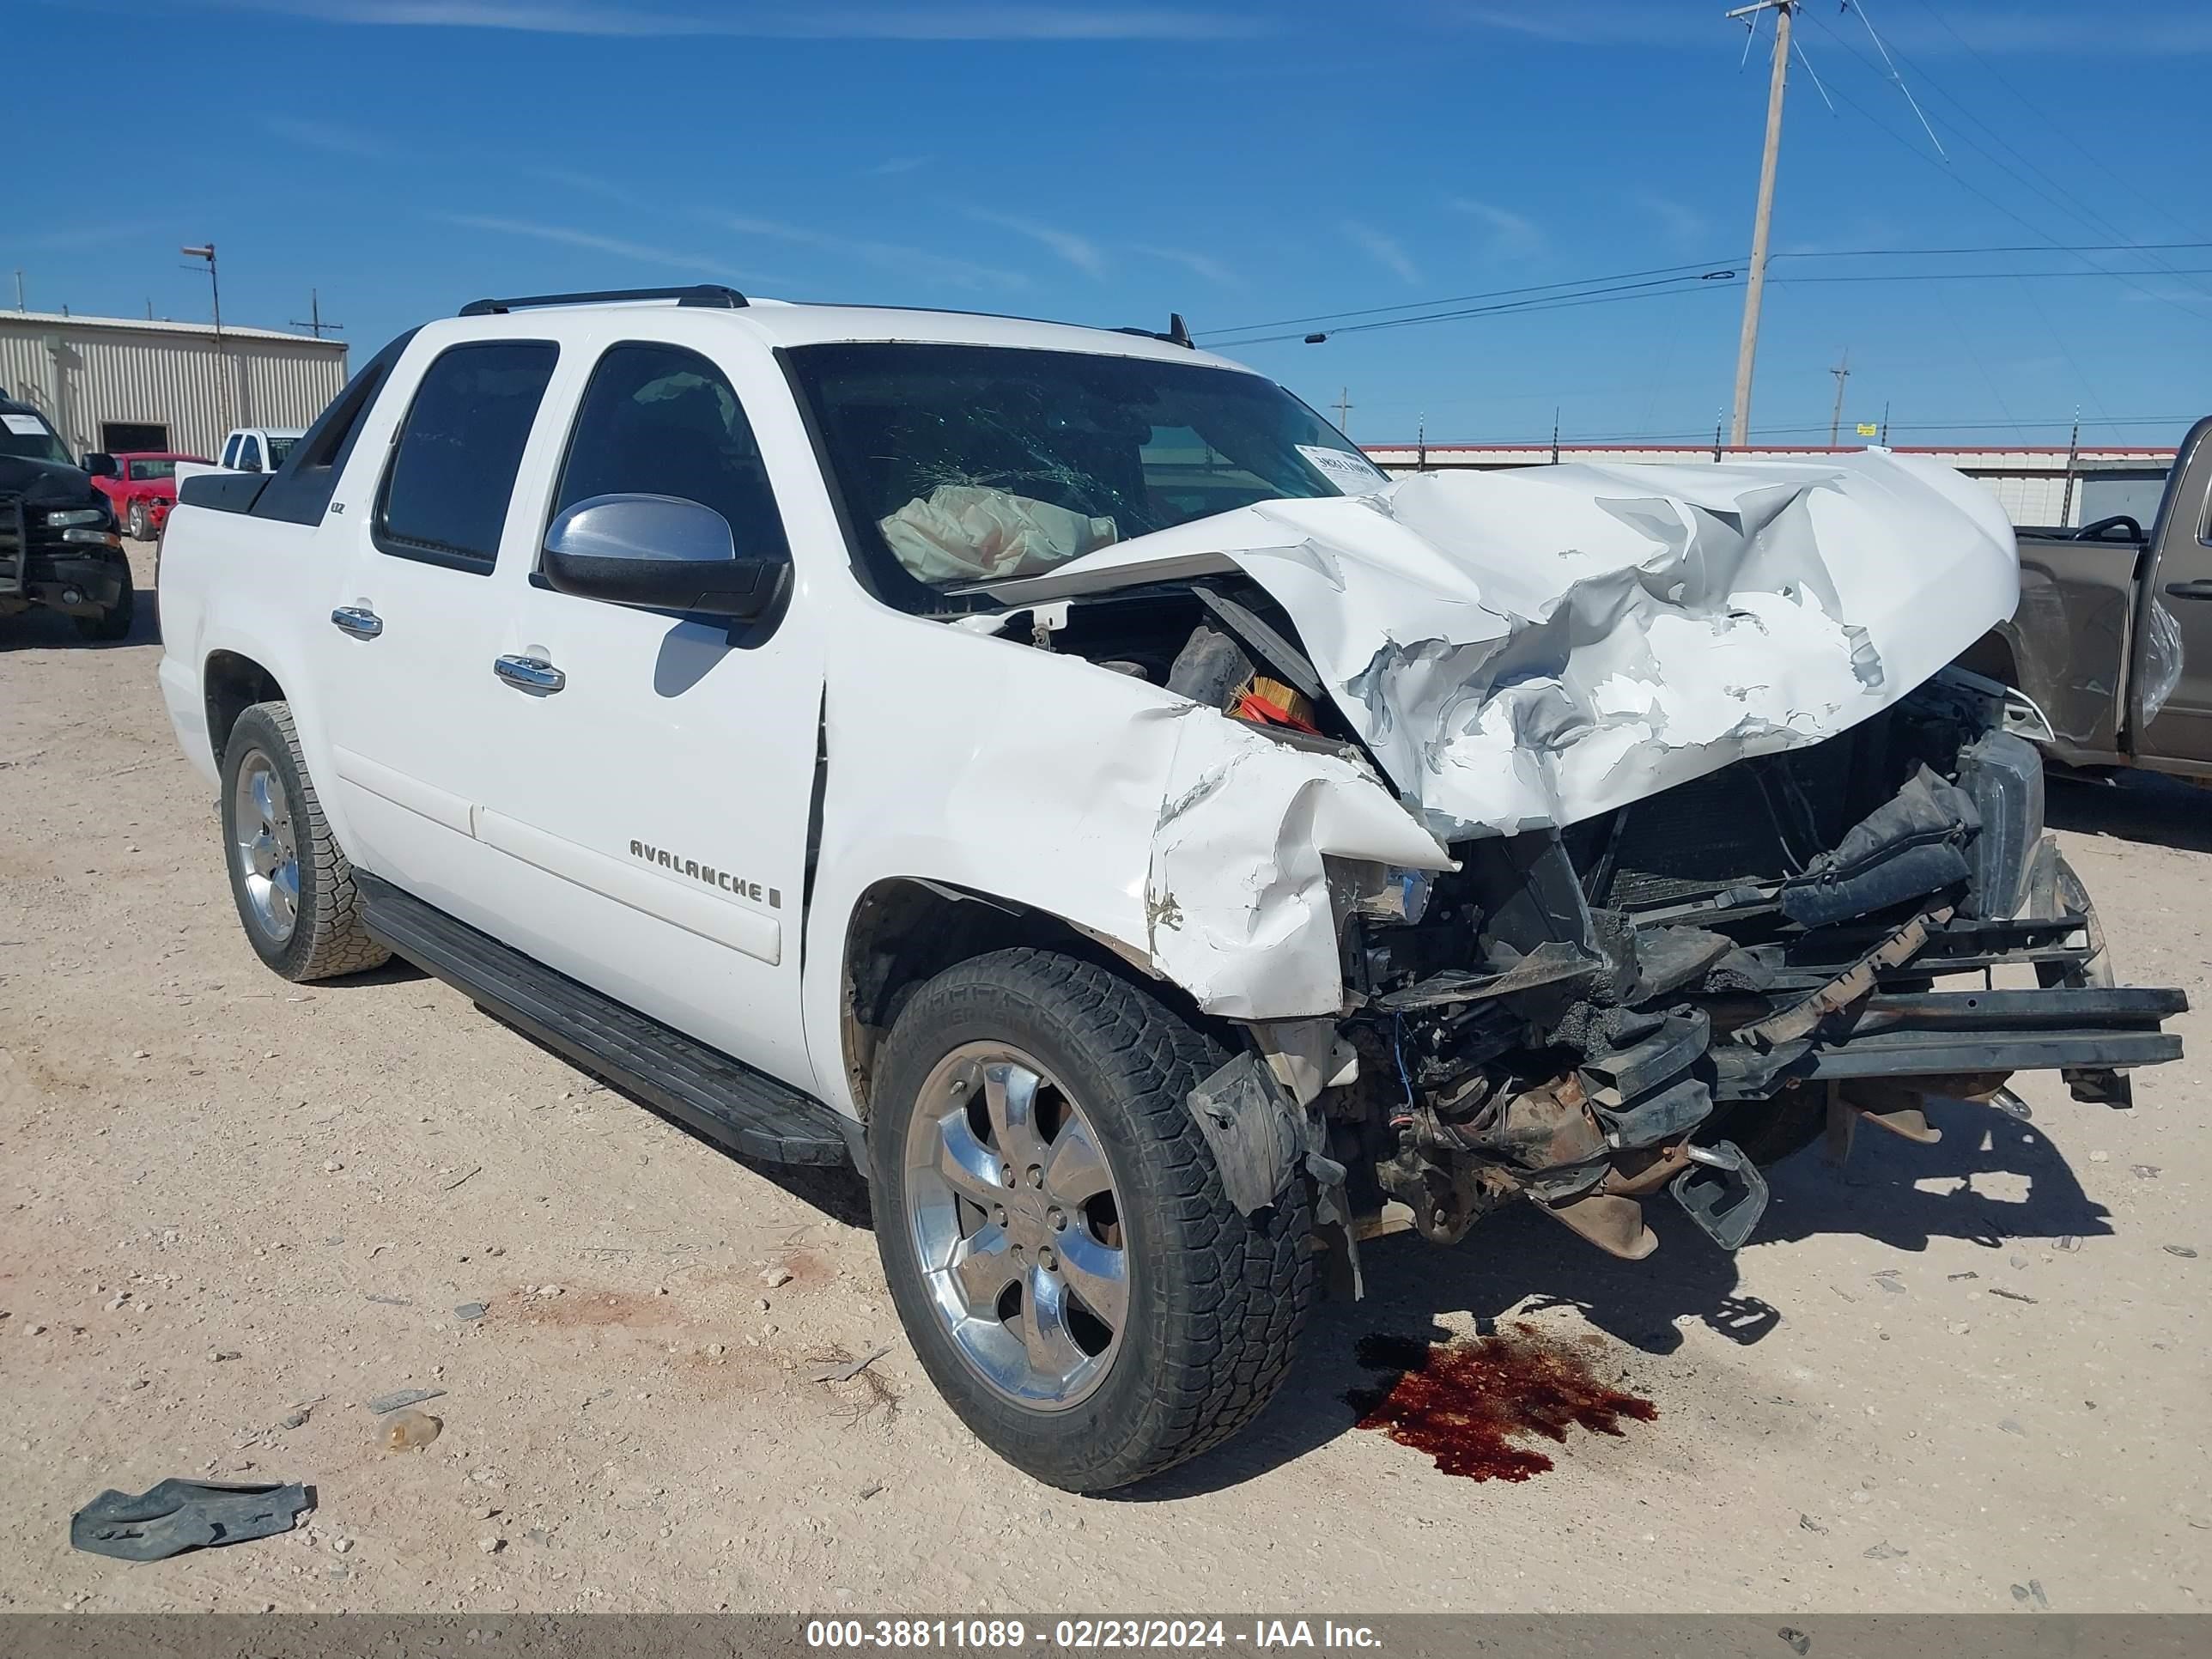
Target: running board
{"type": "Point", "coordinates": [723, 1099]}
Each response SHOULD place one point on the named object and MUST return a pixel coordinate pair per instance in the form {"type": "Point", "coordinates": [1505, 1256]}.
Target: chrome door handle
{"type": "Point", "coordinates": [531, 674]}
{"type": "Point", "coordinates": [357, 620]}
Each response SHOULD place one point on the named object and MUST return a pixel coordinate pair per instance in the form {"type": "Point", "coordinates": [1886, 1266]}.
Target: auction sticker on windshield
{"type": "Point", "coordinates": [1355, 475]}
{"type": "Point", "coordinates": [25, 426]}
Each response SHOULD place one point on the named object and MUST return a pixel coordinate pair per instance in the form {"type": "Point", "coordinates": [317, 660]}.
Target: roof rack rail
{"type": "Point", "coordinates": [1178, 332]}
{"type": "Point", "coordinates": [711, 294]}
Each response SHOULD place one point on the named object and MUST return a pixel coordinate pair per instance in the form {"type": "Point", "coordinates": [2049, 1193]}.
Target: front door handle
{"type": "Point", "coordinates": [357, 620]}
{"type": "Point", "coordinates": [2196, 590]}
{"type": "Point", "coordinates": [533, 674]}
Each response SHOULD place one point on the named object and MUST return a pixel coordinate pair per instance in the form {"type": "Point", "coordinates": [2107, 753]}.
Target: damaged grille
{"type": "Point", "coordinates": [1757, 821]}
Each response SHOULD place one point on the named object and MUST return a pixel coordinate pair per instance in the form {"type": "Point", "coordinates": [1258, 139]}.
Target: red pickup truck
{"type": "Point", "coordinates": [142, 489]}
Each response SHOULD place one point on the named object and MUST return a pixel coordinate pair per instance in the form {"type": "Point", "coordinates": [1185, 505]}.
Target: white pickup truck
{"type": "Point", "coordinates": [247, 449]}
{"type": "Point", "coordinates": [1052, 769]}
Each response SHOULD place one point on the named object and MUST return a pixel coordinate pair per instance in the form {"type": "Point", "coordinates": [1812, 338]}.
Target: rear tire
{"type": "Point", "coordinates": [1210, 1301]}
{"type": "Point", "coordinates": [291, 879]}
{"type": "Point", "coordinates": [141, 527]}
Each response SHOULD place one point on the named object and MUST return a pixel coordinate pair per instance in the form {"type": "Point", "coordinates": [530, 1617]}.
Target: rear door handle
{"type": "Point", "coordinates": [533, 674]}
{"type": "Point", "coordinates": [357, 620]}
{"type": "Point", "coordinates": [2196, 590]}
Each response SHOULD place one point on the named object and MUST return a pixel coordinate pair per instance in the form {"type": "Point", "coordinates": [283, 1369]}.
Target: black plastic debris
{"type": "Point", "coordinates": [178, 1516]}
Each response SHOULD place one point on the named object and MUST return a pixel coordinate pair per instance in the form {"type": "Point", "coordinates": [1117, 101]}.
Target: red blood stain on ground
{"type": "Point", "coordinates": [1465, 1403]}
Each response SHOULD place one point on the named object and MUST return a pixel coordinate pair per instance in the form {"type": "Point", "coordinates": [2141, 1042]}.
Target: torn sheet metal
{"type": "Point", "coordinates": [1532, 647]}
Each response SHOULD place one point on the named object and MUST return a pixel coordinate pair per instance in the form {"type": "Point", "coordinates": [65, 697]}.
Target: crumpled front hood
{"type": "Point", "coordinates": [1529, 648]}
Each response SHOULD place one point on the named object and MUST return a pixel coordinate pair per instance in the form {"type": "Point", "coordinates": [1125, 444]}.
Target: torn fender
{"type": "Point", "coordinates": [1531, 647]}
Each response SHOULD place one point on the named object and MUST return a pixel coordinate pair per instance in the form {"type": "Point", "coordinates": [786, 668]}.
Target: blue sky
{"type": "Point", "coordinates": [1240, 161]}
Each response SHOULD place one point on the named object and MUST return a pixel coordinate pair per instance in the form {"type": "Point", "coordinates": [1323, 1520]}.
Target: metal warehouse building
{"type": "Point", "coordinates": [115, 383]}
{"type": "Point", "coordinates": [2035, 486]}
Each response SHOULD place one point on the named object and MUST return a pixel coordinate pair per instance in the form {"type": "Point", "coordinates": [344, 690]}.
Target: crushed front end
{"type": "Point", "coordinates": [1669, 995]}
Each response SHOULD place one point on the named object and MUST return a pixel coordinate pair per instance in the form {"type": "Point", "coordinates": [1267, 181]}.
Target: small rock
{"type": "Point", "coordinates": [332, 1166]}
{"type": "Point", "coordinates": [2100, 1157]}
{"type": "Point", "coordinates": [38, 1330]}
{"type": "Point", "coordinates": [1891, 1285]}
{"type": "Point", "coordinates": [469, 1310]}
{"type": "Point", "coordinates": [2145, 1171]}
{"type": "Point", "coordinates": [775, 1276]}
{"type": "Point", "coordinates": [2069, 1242]}
{"type": "Point", "coordinates": [1960, 1330]}
{"type": "Point", "coordinates": [2011, 1427]}
{"type": "Point", "coordinates": [486, 1512]}
{"type": "Point", "coordinates": [140, 1054]}
{"type": "Point", "coordinates": [552, 1290]}
{"type": "Point", "coordinates": [716, 1349]}
{"type": "Point", "coordinates": [2181, 1250]}
{"type": "Point", "coordinates": [490, 1544]}
{"type": "Point", "coordinates": [1810, 1524]}
{"type": "Point", "coordinates": [137, 1383]}
{"type": "Point", "coordinates": [494, 1249]}
{"type": "Point", "coordinates": [2032, 1588]}
{"type": "Point", "coordinates": [762, 1305]}
{"type": "Point", "coordinates": [1964, 1275]}
{"type": "Point", "coordinates": [216, 1356]}
{"type": "Point", "coordinates": [1886, 1551]}
{"type": "Point", "coordinates": [1798, 1641]}
{"type": "Point", "coordinates": [120, 1299]}
{"type": "Point", "coordinates": [292, 1419]}
{"type": "Point", "coordinates": [340, 1546]}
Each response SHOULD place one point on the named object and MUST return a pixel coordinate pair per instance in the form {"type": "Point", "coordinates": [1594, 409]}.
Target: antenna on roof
{"type": "Point", "coordinates": [1179, 331]}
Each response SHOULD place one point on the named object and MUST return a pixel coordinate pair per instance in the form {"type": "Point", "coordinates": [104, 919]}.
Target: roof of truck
{"type": "Point", "coordinates": [795, 323]}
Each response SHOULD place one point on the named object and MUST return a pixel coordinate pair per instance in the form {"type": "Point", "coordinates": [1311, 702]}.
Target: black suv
{"type": "Point", "coordinates": [59, 543]}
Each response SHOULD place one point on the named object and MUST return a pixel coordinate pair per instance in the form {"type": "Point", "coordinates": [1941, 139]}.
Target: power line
{"type": "Point", "coordinates": [1715, 281]}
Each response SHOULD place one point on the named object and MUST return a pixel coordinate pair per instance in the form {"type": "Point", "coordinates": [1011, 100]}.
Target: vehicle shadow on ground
{"type": "Point", "coordinates": [48, 630]}
{"type": "Point", "coordinates": [2137, 806]}
{"type": "Point", "coordinates": [1518, 1262]}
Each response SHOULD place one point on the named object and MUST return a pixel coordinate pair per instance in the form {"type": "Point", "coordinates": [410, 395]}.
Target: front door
{"type": "Point", "coordinates": [2181, 579]}
{"type": "Point", "coordinates": [409, 695]}
{"type": "Point", "coordinates": [658, 779]}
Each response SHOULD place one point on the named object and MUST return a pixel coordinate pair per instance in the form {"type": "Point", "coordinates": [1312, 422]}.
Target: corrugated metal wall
{"type": "Point", "coordinates": [82, 376]}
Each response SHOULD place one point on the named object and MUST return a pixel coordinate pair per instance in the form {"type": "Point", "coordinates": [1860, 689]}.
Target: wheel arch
{"type": "Point", "coordinates": [233, 684]}
{"type": "Point", "coordinates": [904, 931]}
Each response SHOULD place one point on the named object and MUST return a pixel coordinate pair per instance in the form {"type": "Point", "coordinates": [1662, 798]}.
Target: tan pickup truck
{"type": "Point", "coordinates": [2113, 635]}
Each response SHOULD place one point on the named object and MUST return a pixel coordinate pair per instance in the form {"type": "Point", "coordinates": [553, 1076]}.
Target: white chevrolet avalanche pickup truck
{"type": "Point", "coordinates": [1052, 769]}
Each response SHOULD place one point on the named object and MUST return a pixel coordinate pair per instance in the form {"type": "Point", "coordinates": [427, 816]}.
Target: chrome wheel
{"type": "Point", "coordinates": [262, 842]}
{"type": "Point", "coordinates": [1015, 1221]}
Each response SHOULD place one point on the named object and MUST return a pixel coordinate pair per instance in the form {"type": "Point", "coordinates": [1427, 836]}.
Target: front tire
{"type": "Point", "coordinates": [292, 885]}
{"type": "Point", "coordinates": [114, 623]}
{"type": "Point", "coordinates": [141, 525]}
{"type": "Point", "coordinates": [1054, 1231]}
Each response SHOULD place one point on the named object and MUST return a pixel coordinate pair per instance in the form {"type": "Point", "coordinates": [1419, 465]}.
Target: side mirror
{"type": "Point", "coordinates": [100, 464]}
{"type": "Point", "coordinates": [660, 552]}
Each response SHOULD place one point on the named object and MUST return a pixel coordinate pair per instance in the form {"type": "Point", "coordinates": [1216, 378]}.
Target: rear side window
{"type": "Point", "coordinates": [249, 456]}
{"type": "Point", "coordinates": [446, 492]}
{"type": "Point", "coordinates": [660, 421]}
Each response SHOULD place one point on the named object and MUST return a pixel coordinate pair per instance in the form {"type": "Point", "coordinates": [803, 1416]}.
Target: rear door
{"type": "Point", "coordinates": [659, 796]}
{"type": "Point", "coordinates": [2180, 580]}
{"type": "Point", "coordinates": [409, 701]}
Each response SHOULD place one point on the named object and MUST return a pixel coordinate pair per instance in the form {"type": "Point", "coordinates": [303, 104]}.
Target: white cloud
{"type": "Point", "coordinates": [876, 22]}
{"type": "Point", "coordinates": [2105, 30]}
{"type": "Point", "coordinates": [324, 135]}
{"type": "Point", "coordinates": [912, 262]}
{"type": "Point", "coordinates": [1198, 264]}
{"type": "Point", "coordinates": [1078, 251]}
{"type": "Point", "coordinates": [1683, 226]}
{"type": "Point", "coordinates": [1385, 250]}
{"type": "Point", "coordinates": [570, 236]}
{"type": "Point", "coordinates": [1512, 234]}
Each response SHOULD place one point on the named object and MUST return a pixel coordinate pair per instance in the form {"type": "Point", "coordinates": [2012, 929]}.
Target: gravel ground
{"type": "Point", "coordinates": [1966, 1378]}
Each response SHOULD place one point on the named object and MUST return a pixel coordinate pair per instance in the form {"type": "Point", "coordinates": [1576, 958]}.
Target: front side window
{"type": "Point", "coordinates": [148, 471]}
{"type": "Point", "coordinates": [660, 421]}
{"type": "Point", "coordinates": [453, 470]}
{"type": "Point", "coordinates": [230, 451]}
{"type": "Point", "coordinates": [964, 463]}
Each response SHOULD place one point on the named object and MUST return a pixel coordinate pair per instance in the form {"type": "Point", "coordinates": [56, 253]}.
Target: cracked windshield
{"type": "Point", "coordinates": [966, 463]}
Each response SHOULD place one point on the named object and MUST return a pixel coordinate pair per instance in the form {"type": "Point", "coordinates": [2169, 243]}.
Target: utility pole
{"type": "Point", "coordinates": [1421, 442]}
{"type": "Point", "coordinates": [20, 306]}
{"type": "Point", "coordinates": [1755, 289]}
{"type": "Point", "coordinates": [2073, 459]}
{"type": "Point", "coordinates": [1344, 411]}
{"type": "Point", "coordinates": [315, 325]}
{"type": "Point", "coordinates": [214, 289]}
{"type": "Point", "coordinates": [1841, 371]}
{"type": "Point", "coordinates": [1555, 434]}
{"type": "Point", "coordinates": [1885, 426]}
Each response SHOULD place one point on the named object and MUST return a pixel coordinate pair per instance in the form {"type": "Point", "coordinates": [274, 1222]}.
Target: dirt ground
{"type": "Point", "coordinates": [1966, 1378]}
